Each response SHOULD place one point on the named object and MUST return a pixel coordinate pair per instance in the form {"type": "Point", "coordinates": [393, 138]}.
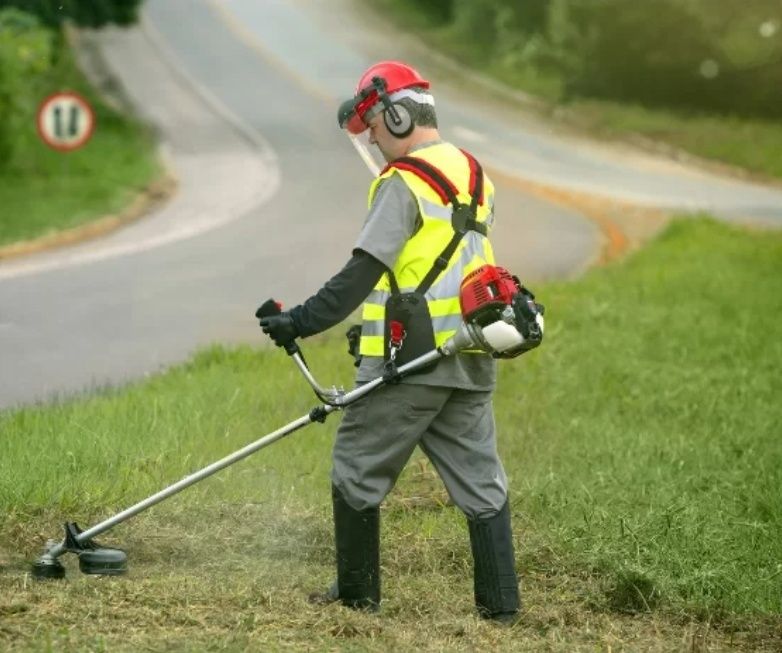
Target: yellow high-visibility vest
{"type": "Point", "coordinates": [419, 253]}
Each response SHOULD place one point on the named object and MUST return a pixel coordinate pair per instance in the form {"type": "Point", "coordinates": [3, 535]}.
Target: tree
{"type": "Point", "coordinates": [25, 55]}
{"type": "Point", "coordinates": [698, 54]}
{"type": "Point", "coordinates": [86, 13]}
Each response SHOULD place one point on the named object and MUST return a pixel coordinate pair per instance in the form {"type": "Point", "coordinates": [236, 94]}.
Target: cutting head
{"type": "Point", "coordinates": [103, 562]}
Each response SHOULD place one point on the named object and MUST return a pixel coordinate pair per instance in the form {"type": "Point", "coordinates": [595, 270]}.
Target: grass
{"type": "Point", "coordinates": [642, 443]}
{"type": "Point", "coordinates": [750, 144]}
{"type": "Point", "coordinates": [49, 191]}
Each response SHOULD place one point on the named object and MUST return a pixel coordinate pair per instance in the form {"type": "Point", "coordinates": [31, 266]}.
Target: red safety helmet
{"type": "Point", "coordinates": [380, 81]}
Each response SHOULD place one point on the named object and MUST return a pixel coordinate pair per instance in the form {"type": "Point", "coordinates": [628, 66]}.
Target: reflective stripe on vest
{"type": "Point", "coordinates": [418, 255]}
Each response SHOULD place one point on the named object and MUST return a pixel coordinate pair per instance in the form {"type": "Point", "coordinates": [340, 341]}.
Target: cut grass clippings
{"type": "Point", "coordinates": [47, 191]}
{"type": "Point", "coordinates": [641, 440]}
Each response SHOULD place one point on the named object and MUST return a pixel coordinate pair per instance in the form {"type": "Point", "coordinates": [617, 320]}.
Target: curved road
{"type": "Point", "coordinates": [244, 94]}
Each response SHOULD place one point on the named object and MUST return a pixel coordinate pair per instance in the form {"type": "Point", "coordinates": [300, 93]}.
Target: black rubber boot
{"type": "Point", "coordinates": [496, 585]}
{"type": "Point", "coordinates": [357, 539]}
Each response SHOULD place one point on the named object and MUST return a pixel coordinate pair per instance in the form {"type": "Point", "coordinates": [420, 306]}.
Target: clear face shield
{"type": "Point", "coordinates": [358, 133]}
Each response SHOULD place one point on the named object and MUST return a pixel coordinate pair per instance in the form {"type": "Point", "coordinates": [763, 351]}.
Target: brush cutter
{"type": "Point", "coordinates": [500, 317]}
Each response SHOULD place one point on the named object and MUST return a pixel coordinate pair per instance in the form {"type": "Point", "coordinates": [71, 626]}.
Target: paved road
{"type": "Point", "coordinates": [244, 95]}
{"type": "Point", "coordinates": [319, 41]}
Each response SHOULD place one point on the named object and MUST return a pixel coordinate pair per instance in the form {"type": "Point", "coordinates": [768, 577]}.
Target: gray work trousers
{"type": "Point", "coordinates": [453, 427]}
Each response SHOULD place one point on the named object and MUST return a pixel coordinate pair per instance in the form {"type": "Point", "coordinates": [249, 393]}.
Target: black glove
{"type": "Point", "coordinates": [279, 328]}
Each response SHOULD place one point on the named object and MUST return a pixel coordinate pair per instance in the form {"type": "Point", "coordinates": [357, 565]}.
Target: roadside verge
{"type": "Point", "coordinates": [223, 168]}
{"type": "Point", "coordinates": [92, 65]}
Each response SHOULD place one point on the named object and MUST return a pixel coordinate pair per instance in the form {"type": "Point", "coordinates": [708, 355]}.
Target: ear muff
{"type": "Point", "coordinates": [398, 120]}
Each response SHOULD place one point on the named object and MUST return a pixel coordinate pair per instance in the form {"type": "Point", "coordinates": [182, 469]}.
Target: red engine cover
{"type": "Point", "coordinates": [485, 292]}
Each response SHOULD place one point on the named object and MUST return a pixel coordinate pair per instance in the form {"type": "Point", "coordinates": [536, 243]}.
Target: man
{"type": "Point", "coordinates": [429, 192]}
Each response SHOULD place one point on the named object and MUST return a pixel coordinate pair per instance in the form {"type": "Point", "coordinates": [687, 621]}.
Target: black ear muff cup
{"type": "Point", "coordinates": [404, 126]}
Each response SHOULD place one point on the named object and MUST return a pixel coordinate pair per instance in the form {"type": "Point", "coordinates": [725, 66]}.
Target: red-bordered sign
{"type": "Point", "coordinates": [65, 121]}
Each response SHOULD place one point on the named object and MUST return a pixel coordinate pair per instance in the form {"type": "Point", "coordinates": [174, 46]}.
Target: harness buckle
{"type": "Point", "coordinates": [396, 339]}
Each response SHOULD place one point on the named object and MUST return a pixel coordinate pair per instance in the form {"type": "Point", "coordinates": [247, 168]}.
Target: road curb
{"type": "Point", "coordinates": [624, 226]}
{"type": "Point", "coordinates": [154, 195]}
{"type": "Point", "coordinates": [157, 192]}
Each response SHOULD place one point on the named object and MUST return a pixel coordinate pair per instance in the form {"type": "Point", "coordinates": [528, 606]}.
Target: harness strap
{"type": "Point", "coordinates": [476, 181]}
{"type": "Point", "coordinates": [428, 173]}
{"type": "Point", "coordinates": [463, 215]}
{"type": "Point", "coordinates": [437, 181]}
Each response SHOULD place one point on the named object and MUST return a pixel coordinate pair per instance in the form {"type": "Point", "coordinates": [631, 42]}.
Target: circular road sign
{"type": "Point", "coordinates": [65, 121]}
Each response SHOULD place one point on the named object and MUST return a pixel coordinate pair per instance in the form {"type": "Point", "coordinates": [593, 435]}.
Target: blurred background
{"type": "Point", "coordinates": [715, 56]}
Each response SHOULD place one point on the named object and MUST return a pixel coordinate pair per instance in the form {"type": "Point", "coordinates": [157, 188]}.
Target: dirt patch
{"type": "Point", "coordinates": [624, 226]}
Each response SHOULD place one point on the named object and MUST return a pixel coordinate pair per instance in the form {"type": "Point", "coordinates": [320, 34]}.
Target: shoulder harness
{"type": "Point", "coordinates": [463, 216]}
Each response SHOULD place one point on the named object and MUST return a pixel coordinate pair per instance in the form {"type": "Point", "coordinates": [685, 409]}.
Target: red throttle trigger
{"type": "Point", "coordinates": [269, 308]}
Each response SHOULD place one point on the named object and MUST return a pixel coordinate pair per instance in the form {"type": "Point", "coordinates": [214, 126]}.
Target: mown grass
{"type": "Point", "coordinates": [751, 144]}
{"type": "Point", "coordinates": [642, 442]}
{"type": "Point", "coordinates": [47, 191]}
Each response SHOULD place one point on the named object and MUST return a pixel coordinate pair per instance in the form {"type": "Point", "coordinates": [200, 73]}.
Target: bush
{"type": "Point", "coordinates": [627, 52]}
{"type": "Point", "coordinates": [87, 13]}
{"type": "Point", "coordinates": [721, 56]}
{"type": "Point", "coordinates": [672, 53]}
{"type": "Point", "coordinates": [498, 29]}
{"type": "Point", "coordinates": [25, 56]}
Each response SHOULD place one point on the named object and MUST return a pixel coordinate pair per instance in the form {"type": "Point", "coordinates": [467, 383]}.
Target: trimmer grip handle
{"type": "Point", "coordinates": [269, 308]}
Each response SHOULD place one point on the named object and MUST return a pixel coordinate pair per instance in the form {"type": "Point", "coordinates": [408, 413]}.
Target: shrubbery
{"type": "Point", "coordinates": [31, 49]}
{"type": "Point", "coordinates": [713, 55]}
{"type": "Point", "coordinates": [698, 54]}
{"type": "Point", "coordinates": [88, 13]}
{"type": "Point", "coordinates": [26, 53]}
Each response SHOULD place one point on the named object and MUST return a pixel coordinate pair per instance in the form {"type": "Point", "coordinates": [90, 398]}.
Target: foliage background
{"type": "Point", "coordinates": [26, 54]}
{"type": "Point", "coordinates": [88, 13]}
{"type": "Point", "coordinates": [31, 48]}
{"type": "Point", "coordinates": [712, 55]}
{"type": "Point", "coordinates": [43, 190]}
